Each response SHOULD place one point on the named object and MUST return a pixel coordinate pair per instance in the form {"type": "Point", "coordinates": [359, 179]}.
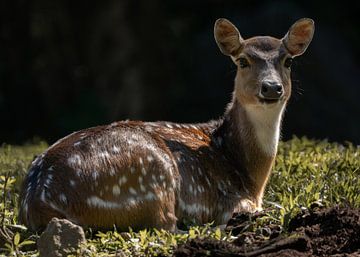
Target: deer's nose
{"type": "Point", "coordinates": [271, 90]}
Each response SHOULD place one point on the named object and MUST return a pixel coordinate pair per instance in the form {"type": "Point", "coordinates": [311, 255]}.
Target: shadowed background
{"type": "Point", "coordinates": [67, 65]}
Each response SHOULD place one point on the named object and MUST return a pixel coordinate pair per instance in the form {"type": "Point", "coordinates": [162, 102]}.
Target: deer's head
{"type": "Point", "coordinates": [263, 62]}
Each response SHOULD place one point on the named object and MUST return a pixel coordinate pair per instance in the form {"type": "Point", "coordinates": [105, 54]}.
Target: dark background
{"type": "Point", "coordinates": [67, 65]}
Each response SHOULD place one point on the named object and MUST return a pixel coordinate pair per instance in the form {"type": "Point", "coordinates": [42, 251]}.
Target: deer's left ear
{"type": "Point", "coordinates": [299, 36]}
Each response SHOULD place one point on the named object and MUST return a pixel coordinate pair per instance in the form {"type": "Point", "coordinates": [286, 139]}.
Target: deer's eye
{"type": "Point", "coordinates": [243, 63]}
{"type": "Point", "coordinates": [288, 62]}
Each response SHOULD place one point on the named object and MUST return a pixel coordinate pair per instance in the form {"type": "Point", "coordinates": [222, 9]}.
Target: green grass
{"type": "Point", "coordinates": [306, 172]}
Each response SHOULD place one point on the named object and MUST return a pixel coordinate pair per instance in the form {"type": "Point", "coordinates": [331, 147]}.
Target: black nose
{"type": "Point", "coordinates": [271, 90]}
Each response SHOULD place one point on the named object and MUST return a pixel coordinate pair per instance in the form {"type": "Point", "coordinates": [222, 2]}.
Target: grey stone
{"type": "Point", "coordinates": [60, 238]}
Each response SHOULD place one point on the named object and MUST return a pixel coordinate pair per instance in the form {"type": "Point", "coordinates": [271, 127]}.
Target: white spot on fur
{"type": "Point", "coordinates": [150, 158]}
{"type": "Point", "coordinates": [72, 183]}
{"type": "Point", "coordinates": [220, 186]}
{"type": "Point", "coordinates": [208, 181]}
{"type": "Point", "coordinates": [194, 209]}
{"type": "Point", "coordinates": [31, 173]}
{"type": "Point", "coordinates": [153, 177]}
{"type": "Point", "coordinates": [104, 155]}
{"type": "Point", "coordinates": [74, 160]}
{"type": "Point", "coordinates": [77, 143]}
{"type": "Point", "coordinates": [164, 184]}
{"type": "Point", "coordinates": [132, 170]}
{"type": "Point", "coordinates": [55, 207]}
{"type": "Point", "coordinates": [143, 171]}
{"type": "Point", "coordinates": [95, 201]}
{"type": "Point", "coordinates": [63, 198]}
{"type": "Point", "coordinates": [191, 189]}
{"type": "Point", "coordinates": [42, 196]}
{"type": "Point", "coordinates": [122, 180]}
{"type": "Point", "coordinates": [116, 190]}
{"type": "Point", "coordinates": [134, 136]}
{"type": "Point", "coordinates": [95, 174]}
{"type": "Point", "coordinates": [48, 180]}
{"type": "Point", "coordinates": [112, 171]}
{"type": "Point", "coordinates": [115, 149]}
{"type": "Point", "coordinates": [142, 188]}
{"type": "Point", "coordinates": [150, 196]}
{"type": "Point", "coordinates": [149, 129]}
{"type": "Point", "coordinates": [132, 191]}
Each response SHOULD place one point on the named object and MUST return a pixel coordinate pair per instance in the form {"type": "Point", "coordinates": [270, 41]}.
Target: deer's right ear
{"type": "Point", "coordinates": [227, 37]}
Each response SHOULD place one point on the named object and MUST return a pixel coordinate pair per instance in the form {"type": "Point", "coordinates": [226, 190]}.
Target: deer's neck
{"type": "Point", "coordinates": [251, 135]}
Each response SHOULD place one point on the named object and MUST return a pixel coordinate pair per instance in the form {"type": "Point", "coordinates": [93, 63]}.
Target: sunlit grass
{"type": "Point", "coordinates": [306, 172]}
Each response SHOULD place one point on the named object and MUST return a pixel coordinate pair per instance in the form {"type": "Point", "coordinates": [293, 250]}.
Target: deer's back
{"type": "Point", "coordinates": [118, 174]}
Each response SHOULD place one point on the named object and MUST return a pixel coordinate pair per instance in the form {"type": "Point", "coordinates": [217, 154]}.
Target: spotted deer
{"type": "Point", "coordinates": [158, 174]}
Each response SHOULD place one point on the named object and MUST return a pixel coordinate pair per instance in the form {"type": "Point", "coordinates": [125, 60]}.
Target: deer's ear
{"type": "Point", "coordinates": [299, 36]}
{"type": "Point", "coordinates": [227, 37]}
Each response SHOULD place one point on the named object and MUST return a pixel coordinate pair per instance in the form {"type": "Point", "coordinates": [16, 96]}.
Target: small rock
{"type": "Point", "coordinates": [60, 238]}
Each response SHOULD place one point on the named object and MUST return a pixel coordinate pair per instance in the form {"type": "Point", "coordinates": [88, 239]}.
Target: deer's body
{"type": "Point", "coordinates": [157, 174]}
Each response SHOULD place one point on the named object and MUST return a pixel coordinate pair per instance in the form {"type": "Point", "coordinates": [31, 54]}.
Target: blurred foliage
{"type": "Point", "coordinates": [64, 67]}
{"type": "Point", "coordinates": [306, 172]}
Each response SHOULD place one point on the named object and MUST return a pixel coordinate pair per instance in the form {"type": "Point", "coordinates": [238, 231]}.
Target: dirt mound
{"type": "Point", "coordinates": [332, 231]}
{"type": "Point", "coordinates": [317, 232]}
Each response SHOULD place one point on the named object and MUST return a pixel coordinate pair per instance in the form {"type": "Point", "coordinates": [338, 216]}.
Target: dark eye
{"type": "Point", "coordinates": [243, 63]}
{"type": "Point", "coordinates": [288, 62]}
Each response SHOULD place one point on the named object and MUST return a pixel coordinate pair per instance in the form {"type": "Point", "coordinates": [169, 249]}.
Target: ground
{"type": "Point", "coordinates": [311, 208]}
{"type": "Point", "coordinates": [313, 232]}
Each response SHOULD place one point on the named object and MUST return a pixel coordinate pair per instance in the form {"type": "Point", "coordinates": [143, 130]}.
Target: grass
{"type": "Point", "coordinates": [306, 172]}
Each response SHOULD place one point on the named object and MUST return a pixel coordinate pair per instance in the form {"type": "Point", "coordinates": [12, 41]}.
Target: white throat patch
{"type": "Point", "coordinates": [266, 121]}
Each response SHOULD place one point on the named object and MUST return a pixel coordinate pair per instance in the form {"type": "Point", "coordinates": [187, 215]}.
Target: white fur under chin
{"type": "Point", "coordinates": [266, 120]}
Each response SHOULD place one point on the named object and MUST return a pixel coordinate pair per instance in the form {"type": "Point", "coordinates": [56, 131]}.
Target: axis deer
{"type": "Point", "coordinates": [157, 174]}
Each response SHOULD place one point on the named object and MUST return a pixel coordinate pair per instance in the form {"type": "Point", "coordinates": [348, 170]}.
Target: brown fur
{"type": "Point", "coordinates": [158, 174]}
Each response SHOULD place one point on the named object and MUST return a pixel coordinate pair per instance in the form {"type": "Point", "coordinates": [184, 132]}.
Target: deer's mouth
{"type": "Point", "coordinates": [264, 100]}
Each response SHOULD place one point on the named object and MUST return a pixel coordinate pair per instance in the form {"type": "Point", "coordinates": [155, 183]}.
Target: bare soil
{"type": "Point", "coordinates": [331, 231]}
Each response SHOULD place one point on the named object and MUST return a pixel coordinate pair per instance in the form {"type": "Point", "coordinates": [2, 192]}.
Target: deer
{"type": "Point", "coordinates": [158, 174]}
